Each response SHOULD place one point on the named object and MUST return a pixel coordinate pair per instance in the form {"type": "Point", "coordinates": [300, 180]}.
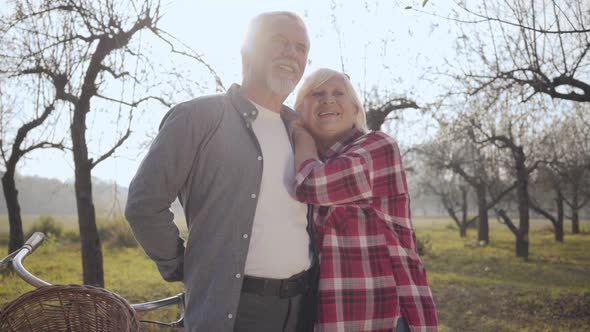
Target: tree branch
{"type": "Point", "coordinates": [542, 212]}
{"type": "Point", "coordinates": [22, 133]}
{"type": "Point", "coordinates": [376, 116]}
{"type": "Point", "coordinates": [137, 102]}
{"type": "Point", "coordinates": [504, 219]}
{"type": "Point", "coordinates": [44, 145]}
{"type": "Point", "coordinates": [106, 155]}
{"type": "Point", "coordinates": [485, 18]}
{"type": "Point", "coordinates": [115, 74]}
{"type": "Point", "coordinates": [59, 82]}
{"type": "Point", "coordinates": [159, 33]}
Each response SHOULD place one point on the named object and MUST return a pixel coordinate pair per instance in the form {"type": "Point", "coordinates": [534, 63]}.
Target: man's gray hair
{"type": "Point", "coordinates": [258, 24]}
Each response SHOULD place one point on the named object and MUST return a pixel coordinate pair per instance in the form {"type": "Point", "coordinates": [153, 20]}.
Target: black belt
{"type": "Point", "coordinates": [283, 288]}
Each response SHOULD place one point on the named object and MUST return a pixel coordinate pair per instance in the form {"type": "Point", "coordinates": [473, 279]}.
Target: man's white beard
{"type": "Point", "coordinates": [281, 87]}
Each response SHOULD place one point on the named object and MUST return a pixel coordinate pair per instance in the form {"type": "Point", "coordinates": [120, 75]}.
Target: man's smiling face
{"type": "Point", "coordinates": [279, 55]}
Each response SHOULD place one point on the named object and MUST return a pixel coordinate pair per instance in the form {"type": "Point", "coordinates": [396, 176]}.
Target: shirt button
{"type": "Point", "coordinates": [230, 316]}
{"type": "Point", "coordinates": [238, 276]}
{"type": "Point", "coordinates": [253, 196]}
{"type": "Point", "coordinates": [244, 114]}
{"type": "Point", "coordinates": [245, 236]}
{"type": "Point", "coordinates": [259, 157]}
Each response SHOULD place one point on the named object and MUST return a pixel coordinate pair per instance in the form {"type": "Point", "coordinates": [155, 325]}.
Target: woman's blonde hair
{"type": "Point", "coordinates": [320, 77]}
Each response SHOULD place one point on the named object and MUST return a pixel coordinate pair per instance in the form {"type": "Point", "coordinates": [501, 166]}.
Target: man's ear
{"type": "Point", "coordinates": [245, 66]}
{"type": "Point", "coordinates": [245, 59]}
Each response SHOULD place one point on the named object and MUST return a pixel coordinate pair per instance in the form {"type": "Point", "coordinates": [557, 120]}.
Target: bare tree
{"type": "Point", "coordinates": [84, 49]}
{"type": "Point", "coordinates": [378, 113]}
{"type": "Point", "coordinates": [12, 150]}
{"type": "Point", "coordinates": [511, 127]}
{"type": "Point", "coordinates": [546, 180]}
{"type": "Point", "coordinates": [568, 153]}
{"type": "Point", "coordinates": [540, 45]}
{"type": "Point", "coordinates": [454, 151]}
{"type": "Point", "coordinates": [452, 192]}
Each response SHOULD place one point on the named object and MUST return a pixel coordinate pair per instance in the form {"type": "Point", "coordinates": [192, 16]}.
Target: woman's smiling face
{"type": "Point", "coordinates": [328, 111]}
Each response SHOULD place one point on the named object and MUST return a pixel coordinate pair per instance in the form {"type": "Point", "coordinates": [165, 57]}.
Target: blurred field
{"type": "Point", "coordinates": [476, 288]}
{"type": "Point", "coordinates": [489, 289]}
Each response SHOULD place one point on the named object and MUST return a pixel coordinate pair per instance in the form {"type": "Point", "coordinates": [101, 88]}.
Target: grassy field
{"type": "Point", "coordinates": [489, 289]}
{"type": "Point", "coordinates": [475, 288]}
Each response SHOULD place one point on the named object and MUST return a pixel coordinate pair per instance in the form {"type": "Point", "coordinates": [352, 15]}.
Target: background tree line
{"type": "Point", "coordinates": [77, 59]}
{"type": "Point", "coordinates": [511, 126]}
{"type": "Point", "coordinates": [513, 119]}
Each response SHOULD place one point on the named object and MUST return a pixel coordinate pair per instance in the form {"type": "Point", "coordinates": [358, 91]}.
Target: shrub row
{"type": "Point", "coordinates": [113, 233]}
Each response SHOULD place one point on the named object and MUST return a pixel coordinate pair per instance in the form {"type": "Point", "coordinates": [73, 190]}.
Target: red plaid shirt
{"type": "Point", "coordinates": [370, 271]}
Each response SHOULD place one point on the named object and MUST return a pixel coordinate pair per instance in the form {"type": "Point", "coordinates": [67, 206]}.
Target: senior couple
{"type": "Point", "coordinates": [297, 220]}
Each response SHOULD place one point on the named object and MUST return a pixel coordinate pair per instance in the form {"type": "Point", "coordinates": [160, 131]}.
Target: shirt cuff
{"type": "Point", "coordinates": [172, 269]}
{"type": "Point", "coordinates": [306, 167]}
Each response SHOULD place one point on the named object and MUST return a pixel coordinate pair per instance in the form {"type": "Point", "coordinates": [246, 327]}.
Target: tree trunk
{"type": "Point", "coordinates": [463, 230]}
{"type": "Point", "coordinates": [522, 240]}
{"type": "Point", "coordinates": [92, 262]}
{"type": "Point", "coordinates": [482, 222]}
{"type": "Point", "coordinates": [522, 245]}
{"type": "Point", "coordinates": [575, 221]}
{"type": "Point", "coordinates": [375, 119]}
{"type": "Point", "coordinates": [575, 214]}
{"type": "Point", "coordinates": [559, 221]}
{"type": "Point", "coordinates": [464, 208]}
{"type": "Point", "coordinates": [16, 238]}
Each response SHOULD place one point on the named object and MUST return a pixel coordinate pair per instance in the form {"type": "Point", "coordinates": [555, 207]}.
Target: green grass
{"type": "Point", "coordinates": [127, 272]}
{"type": "Point", "coordinates": [487, 288]}
{"type": "Point", "coordinates": [476, 288]}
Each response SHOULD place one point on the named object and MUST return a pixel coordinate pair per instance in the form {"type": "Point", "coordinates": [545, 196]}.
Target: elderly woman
{"type": "Point", "coordinates": [371, 277]}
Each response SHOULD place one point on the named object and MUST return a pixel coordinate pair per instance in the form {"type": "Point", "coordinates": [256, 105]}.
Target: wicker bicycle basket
{"type": "Point", "coordinates": [70, 308]}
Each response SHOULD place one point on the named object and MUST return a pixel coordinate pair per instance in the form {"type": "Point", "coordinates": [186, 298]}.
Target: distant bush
{"type": "Point", "coordinates": [71, 236]}
{"type": "Point", "coordinates": [116, 233]}
{"type": "Point", "coordinates": [48, 226]}
{"type": "Point", "coordinates": [451, 226]}
{"type": "Point", "coordinates": [545, 229]}
{"type": "Point", "coordinates": [3, 239]}
{"type": "Point", "coordinates": [424, 245]}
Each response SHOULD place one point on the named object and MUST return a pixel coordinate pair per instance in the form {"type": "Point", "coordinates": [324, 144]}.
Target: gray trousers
{"type": "Point", "coordinates": [274, 314]}
{"type": "Point", "coordinates": [269, 313]}
{"type": "Point", "coordinates": [402, 326]}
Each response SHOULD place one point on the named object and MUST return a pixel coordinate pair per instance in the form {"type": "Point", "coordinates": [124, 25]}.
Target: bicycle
{"type": "Point", "coordinates": [74, 307]}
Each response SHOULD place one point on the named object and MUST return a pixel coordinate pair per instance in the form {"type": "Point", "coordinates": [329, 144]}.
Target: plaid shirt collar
{"type": "Point", "coordinates": [344, 141]}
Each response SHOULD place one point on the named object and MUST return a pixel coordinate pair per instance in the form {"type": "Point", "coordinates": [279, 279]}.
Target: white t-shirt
{"type": "Point", "coordinates": [279, 246]}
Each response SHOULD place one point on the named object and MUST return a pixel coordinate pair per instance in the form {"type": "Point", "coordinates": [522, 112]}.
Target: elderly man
{"type": "Point", "coordinates": [229, 160]}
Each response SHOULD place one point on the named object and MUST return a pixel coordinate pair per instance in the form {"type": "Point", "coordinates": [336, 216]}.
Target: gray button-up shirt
{"type": "Point", "coordinates": [206, 154]}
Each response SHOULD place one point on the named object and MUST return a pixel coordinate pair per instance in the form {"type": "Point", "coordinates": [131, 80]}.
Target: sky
{"type": "Point", "coordinates": [378, 43]}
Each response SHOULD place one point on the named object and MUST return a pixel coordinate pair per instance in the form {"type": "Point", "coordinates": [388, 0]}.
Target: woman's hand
{"type": "Point", "coordinates": [300, 134]}
{"type": "Point", "coordinates": [305, 146]}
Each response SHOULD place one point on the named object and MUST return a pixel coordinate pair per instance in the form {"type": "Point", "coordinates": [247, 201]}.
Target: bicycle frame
{"type": "Point", "coordinates": [35, 241]}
